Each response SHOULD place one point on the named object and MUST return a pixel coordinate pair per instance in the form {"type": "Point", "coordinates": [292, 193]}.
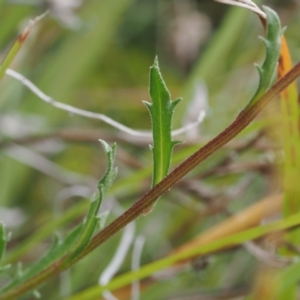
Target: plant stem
{"type": "Point", "coordinates": [8, 59]}
{"type": "Point", "coordinates": [241, 122]}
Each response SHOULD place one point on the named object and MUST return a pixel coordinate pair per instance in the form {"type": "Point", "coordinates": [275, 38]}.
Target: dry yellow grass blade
{"type": "Point", "coordinates": [246, 219]}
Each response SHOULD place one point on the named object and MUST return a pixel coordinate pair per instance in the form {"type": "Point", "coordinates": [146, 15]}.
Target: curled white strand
{"type": "Point", "coordinates": [74, 190]}
{"type": "Point", "coordinates": [190, 126]}
{"type": "Point", "coordinates": [246, 4]}
{"type": "Point", "coordinates": [114, 265]}
{"type": "Point", "coordinates": [73, 110]}
{"type": "Point", "coordinates": [120, 254]}
{"type": "Point", "coordinates": [45, 166]}
{"type": "Point", "coordinates": [135, 265]}
{"type": "Point", "coordinates": [69, 108]}
{"type": "Point", "coordinates": [266, 257]}
{"type": "Point", "coordinates": [107, 295]}
{"type": "Point", "coordinates": [32, 22]}
{"type": "Point", "coordinates": [68, 192]}
{"type": "Point", "coordinates": [65, 284]}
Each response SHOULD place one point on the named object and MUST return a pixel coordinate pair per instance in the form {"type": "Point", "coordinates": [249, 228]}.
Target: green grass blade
{"type": "Point", "coordinates": [12, 54]}
{"type": "Point", "coordinates": [156, 266]}
{"type": "Point", "coordinates": [3, 241]}
{"type": "Point", "coordinates": [288, 282]}
{"type": "Point", "coordinates": [14, 50]}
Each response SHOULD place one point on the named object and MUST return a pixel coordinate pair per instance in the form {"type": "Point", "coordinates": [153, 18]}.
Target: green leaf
{"type": "Point", "coordinates": [87, 230]}
{"type": "Point", "coordinates": [201, 250]}
{"type": "Point", "coordinates": [4, 238]}
{"type": "Point", "coordinates": [288, 279]}
{"type": "Point", "coordinates": [58, 250]}
{"type": "Point", "coordinates": [161, 111]}
{"type": "Point", "coordinates": [46, 231]}
{"type": "Point", "coordinates": [272, 44]}
{"type": "Point", "coordinates": [3, 241]}
{"type": "Point", "coordinates": [111, 171]}
{"type": "Point", "coordinates": [80, 236]}
{"type": "Point", "coordinates": [91, 221]}
{"type": "Point", "coordinates": [8, 59]}
{"type": "Point", "coordinates": [14, 50]}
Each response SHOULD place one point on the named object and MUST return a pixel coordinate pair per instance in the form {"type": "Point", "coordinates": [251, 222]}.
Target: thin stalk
{"type": "Point", "coordinates": [241, 122]}
{"type": "Point", "coordinates": [14, 50]}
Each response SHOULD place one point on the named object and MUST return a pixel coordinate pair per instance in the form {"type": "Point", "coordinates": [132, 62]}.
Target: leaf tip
{"type": "Point", "coordinates": [148, 104]}
{"type": "Point", "coordinates": [174, 143]}
{"type": "Point", "coordinates": [104, 145]}
{"type": "Point", "coordinates": [272, 16]}
{"type": "Point", "coordinates": [176, 102]}
{"type": "Point", "coordinates": [155, 64]}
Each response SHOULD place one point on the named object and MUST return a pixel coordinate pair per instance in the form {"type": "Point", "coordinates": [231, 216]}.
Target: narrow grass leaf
{"type": "Point", "coordinates": [288, 279]}
{"type": "Point", "coordinates": [3, 241]}
{"type": "Point", "coordinates": [158, 265]}
{"type": "Point", "coordinates": [4, 238]}
{"type": "Point", "coordinates": [17, 46]}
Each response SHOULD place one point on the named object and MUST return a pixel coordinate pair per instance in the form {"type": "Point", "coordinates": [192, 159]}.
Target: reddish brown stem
{"type": "Point", "coordinates": [241, 122]}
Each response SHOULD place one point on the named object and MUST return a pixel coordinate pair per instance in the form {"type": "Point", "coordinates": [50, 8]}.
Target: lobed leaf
{"type": "Point", "coordinates": [92, 220]}
{"type": "Point", "coordinates": [46, 231]}
{"type": "Point", "coordinates": [272, 44]}
{"type": "Point", "coordinates": [58, 249]}
{"type": "Point", "coordinates": [161, 111]}
{"type": "Point", "coordinates": [111, 172]}
{"type": "Point", "coordinates": [87, 230]}
{"type": "Point", "coordinates": [79, 237]}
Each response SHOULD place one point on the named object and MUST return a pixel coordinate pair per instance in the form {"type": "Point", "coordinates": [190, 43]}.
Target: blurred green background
{"type": "Point", "coordinates": [95, 55]}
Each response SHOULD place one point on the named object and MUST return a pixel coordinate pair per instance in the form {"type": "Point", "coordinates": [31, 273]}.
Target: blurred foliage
{"type": "Point", "coordinates": [97, 58]}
